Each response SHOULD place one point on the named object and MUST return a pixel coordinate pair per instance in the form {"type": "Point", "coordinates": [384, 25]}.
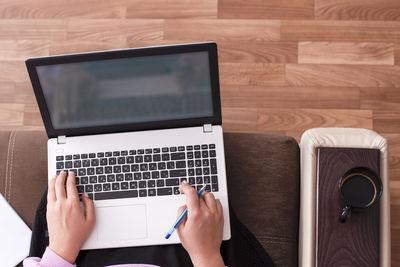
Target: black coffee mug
{"type": "Point", "coordinates": [359, 188]}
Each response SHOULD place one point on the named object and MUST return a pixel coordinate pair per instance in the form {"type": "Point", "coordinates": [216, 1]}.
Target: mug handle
{"type": "Point", "coordinates": [345, 214]}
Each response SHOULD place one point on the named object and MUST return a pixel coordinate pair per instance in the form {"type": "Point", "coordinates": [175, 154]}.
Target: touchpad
{"type": "Point", "coordinates": [121, 222]}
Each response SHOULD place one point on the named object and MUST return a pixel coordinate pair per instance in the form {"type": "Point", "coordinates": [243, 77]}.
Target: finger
{"type": "Point", "coordinates": [72, 192]}
{"type": "Point", "coordinates": [51, 193]}
{"type": "Point", "coordinates": [209, 199]}
{"type": "Point", "coordinates": [192, 200]}
{"type": "Point", "coordinates": [60, 186]}
{"type": "Point", "coordinates": [219, 207]}
{"type": "Point", "coordinates": [89, 209]}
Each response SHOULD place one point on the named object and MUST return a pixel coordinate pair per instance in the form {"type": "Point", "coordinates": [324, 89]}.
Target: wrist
{"type": "Point", "coordinates": [214, 260]}
{"type": "Point", "coordinates": [68, 254]}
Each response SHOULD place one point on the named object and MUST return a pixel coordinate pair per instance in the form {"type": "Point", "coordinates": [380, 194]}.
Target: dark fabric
{"type": "Point", "coordinates": [242, 249]}
{"type": "Point", "coordinates": [264, 190]}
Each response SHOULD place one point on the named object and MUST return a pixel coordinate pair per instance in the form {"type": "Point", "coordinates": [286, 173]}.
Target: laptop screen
{"type": "Point", "coordinates": [127, 90]}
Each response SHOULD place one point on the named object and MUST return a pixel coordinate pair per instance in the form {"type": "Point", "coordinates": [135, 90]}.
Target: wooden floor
{"type": "Point", "coordinates": [285, 66]}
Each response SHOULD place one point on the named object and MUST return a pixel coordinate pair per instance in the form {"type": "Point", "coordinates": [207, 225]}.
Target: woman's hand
{"type": "Point", "coordinates": [68, 225]}
{"type": "Point", "coordinates": [201, 231]}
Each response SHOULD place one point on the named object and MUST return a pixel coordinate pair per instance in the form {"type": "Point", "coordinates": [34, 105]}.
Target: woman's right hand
{"type": "Point", "coordinates": [201, 231]}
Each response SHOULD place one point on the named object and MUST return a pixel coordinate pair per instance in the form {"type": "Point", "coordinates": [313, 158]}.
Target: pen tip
{"type": "Point", "coordinates": [167, 236]}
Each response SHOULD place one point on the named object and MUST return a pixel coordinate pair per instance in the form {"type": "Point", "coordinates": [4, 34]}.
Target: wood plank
{"type": "Point", "coordinates": [257, 52]}
{"type": "Point", "coordinates": [340, 31]}
{"type": "Point", "coordinates": [252, 74]}
{"type": "Point", "coordinates": [303, 119]}
{"type": "Point", "coordinates": [343, 75]}
{"type": "Point", "coordinates": [114, 31]}
{"type": "Point", "coordinates": [395, 219]}
{"type": "Point", "coordinates": [290, 97]}
{"type": "Point", "coordinates": [239, 119]}
{"type": "Point", "coordinates": [357, 9]}
{"type": "Point", "coordinates": [380, 98]}
{"type": "Point", "coordinates": [222, 30]}
{"type": "Point", "coordinates": [172, 9]}
{"type": "Point", "coordinates": [32, 29]}
{"type": "Point", "coordinates": [49, 9]}
{"type": "Point", "coordinates": [395, 197]}
{"type": "Point", "coordinates": [346, 53]}
{"type": "Point", "coordinates": [22, 49]}
{"type": "Point", "coordinates": [11, 114]}
{"type": "Point", "coordinates": [266, 9]}
{"type": "Point", "coordinates": [387, 121]}
{"type": "Point", "coordinates": [77, 46]}
{"type": "Point", "coordinates": [32, 115]}
{"type": "Point", "coordinates": [16, 92]}
{"type": "Point", "coordinates": [393, 140]}
{"type": "Point", "coordinates": [13, 71]}
{"type": "Point", "coordinates": [397, 54]}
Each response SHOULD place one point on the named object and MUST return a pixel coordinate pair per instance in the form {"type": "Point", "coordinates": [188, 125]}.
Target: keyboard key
{"type": "Point", "coordinates": [207, 179]}
{"type": "Point", "coordinates": [59, 158]}
{"type": "Point", "coordinates": [137, 176]}
{"type": "Point", "coordinates": [148, 151]}
{"type": "Point", "coordinates": [68, 164]}
{"type": "Point", "coordinates": [170, 165]}
{"type": "Point", "coordinates": [132, 152]}
{"type": "Point", "coordinates": [68, 157]}
{"type": "Point", "coordinates": [171, 182]}
{"type": "Point", "coordinates": [108, 154]}
{"type": "Point", "coordinates": [92, 155]}
{"type": "Point", "coordinates": [115, 194]}
{"type": "Point", "coordinates": [77, 180]}
{"type": "Point", "coordinates": [84, 156]}
{"type": "Point", "coordinates": [126, 168]}
{"type": "Point", "coordinates": [117, 169]}
{"type": "Point", "coordinates": [133, 185]}
{"type": "Point", "coordinates": [124, 186]}
{"type": "Point", "coordinates": [99, 170]}
{"type": "Point", "coordinates": [199, 171]}
{"type": "Point", "coordinates": [176, 191]}
{"type": "Point", "coordinates": [164, 191]}
{"type": "Point", "coordinates": [199, 180]}
{"type": "Point", "coordinates": [140, 151]}
{"type": "Point", "coordinates": [89, 188]}
{"type": "Point", "coordinates": [164, 174]}
{"type": "Point", "coordinates": [206, 162]}
{"type": "Point", "coordinates": [80, 189]}
{"type": "Point", "coordinates": [191, 172]}
{"type": "Point", "coordinates": [156, 150]}
{"type": "Point", "coordinates": [124, 153]}
{"type": "Point", "coordinates": [197, 163]}
{"type": "Point", "coordinates": [189, 155]}
{"type": "Point", "coordinates": [77, 164]}
{"type": "Point", "coordinates": [106, 187]}
{"type": "Point", "coordinates": [197, 154]}
{"type": "Point", "coordinates": [147, 158]}
{"type": "Point", "coordinates": [206, 171]}
{"type": "Point", "coordinates": [208, 188]}
{"type": "Point", "coordinates": [214, 187]}
{"type": "Point", "coordinates": [160, 183]}
{"type": "Point", "coordinates": [161, 165]}
{"type": "Point", "coordinates": [155, 174]}
{"type": "Point", "coordinates": [172, 149]}
{"type": "Point", "coordinates": [119, 177]}
{"type": "Point", "coordinates": [213, 165]}
{"type": "Point", "coordinates": [190, 163]}
{"type": "Point", "coordinates": [102, 178]}
{"type": "Point", "coordinates": [90, 171]}
{"type": "Point", "coordinates": [130, 159]}
{"type": "Point", "coordinates": [139, 159]}
{"type": "Point", "coordinates": [214, 179]}
{"type": "Point", "coordinates": [111, 178]}
{"type": "Point", "coordinates": [112, 161]}
{"type": "Point", "coordinates": [100, 154]}
{"type": "Point", "coordinates": [135, 167]}
{"type": "Point", "coordinates": [177, 156]}
{"type": "Point", "coordinates": [212, 146]}
{"type": "Point", "coordinates": [192, 180]}
{"type": "Point", "coordinates": [60, 165]}
{"type": "Point", "coordinates": [143, 193]}
{"type": "Point", "coordinates": [181, 148]}
{"type": "Point", "coordinates": [128, 177]}
{"type": "Point", "coordinates": [151, 192]}
{"type": "Point", "coordinates": [204, 154]}
{"type": "Point", "coordinates": [146, 175]}
{"type": "Point", "coordinates": [152, 166]}
{"type": "Point", "coordinates": [103, 161]}
{"type": "Point", "coordinates": [212, 153]}
{"type": "Point", "coordinates": [107, 169]}
{"type": "Point", "coordinates": [81, 172]}
{"type": "Point", "coordinates": [97, 188]}
{"type": "Point", "coordinates": [198, 187]}
{"type": "Point", "coordinates": [204, 146]}
{"type": "Point", "coordinates": [93, 179]}
{"type": "Point", "coordinates": [189, 148]}
{"type": "Point", "coordinates": [165, 157]}
{"type": "Point", "coordinates": [116, 153]}
{"type": "Point", "coordinates": [121, 160]}
{"type": "Point", "coordinates": [115, 186]}
{"type": "Point", "coordinates": [144, 167]}
{"type": "Point", "coordinates": [77, 156]}
{"type": "Point", "coordinates": [85, 163]}
{"type": "Point", "coordinates": [196, 147]}
{"type": "Point", "coordinates": [165, 149]}
{"type": "Point", "coordinates": [156, 157]}
{"type": "Point", "coordinates": [151, 183]}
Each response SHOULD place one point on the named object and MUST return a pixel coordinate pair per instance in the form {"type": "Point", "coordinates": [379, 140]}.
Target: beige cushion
{"type": "Point", "coordinates": [337, 137]}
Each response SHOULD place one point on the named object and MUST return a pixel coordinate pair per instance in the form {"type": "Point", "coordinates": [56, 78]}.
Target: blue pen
{"type": "Point", "coordinates": [183, 215]}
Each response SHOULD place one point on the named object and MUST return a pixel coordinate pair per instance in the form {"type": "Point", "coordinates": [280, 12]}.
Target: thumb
{"type": "Point", "coordinates": [89, 209]}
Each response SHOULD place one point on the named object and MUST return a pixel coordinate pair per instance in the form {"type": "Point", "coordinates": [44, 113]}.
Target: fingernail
{"type": "Point", "coordinates": [62, 172]}
{"type": "Point", "coordinates": [54, 177]}
{"type": "Point", "coordinates": [86, 195]}
{"type": "Point", "coordinates": [184, 182]}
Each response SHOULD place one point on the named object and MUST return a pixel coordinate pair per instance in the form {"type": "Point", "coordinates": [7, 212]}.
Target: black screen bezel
{"type": "Point", "coordinates": [211, 48]}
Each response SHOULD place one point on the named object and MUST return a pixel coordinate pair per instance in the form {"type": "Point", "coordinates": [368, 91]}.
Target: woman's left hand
{"type": "Point", "coordinates": [68, 225]}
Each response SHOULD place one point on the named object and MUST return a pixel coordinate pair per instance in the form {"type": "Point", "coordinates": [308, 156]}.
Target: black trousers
{"type": "Point", "coordinates": [242, 249]}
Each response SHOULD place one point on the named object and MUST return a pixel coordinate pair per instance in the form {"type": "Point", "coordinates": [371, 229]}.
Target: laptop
{"type": "Point", "coordinates": [132, 125]}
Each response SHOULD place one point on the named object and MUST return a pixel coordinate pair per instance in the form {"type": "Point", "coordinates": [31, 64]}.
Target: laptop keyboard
{"type": "Point", "coordinates": [142, 172]}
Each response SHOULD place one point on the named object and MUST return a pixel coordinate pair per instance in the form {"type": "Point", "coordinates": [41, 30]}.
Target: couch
{"type": "Point", "coordinates": [262, 174]}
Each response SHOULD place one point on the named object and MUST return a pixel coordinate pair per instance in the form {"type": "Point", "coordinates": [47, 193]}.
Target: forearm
{"type": "Point", "coordinates": [211, 261]}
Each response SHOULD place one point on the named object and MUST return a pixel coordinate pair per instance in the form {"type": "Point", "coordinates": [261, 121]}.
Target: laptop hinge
{"type": "Point", "coordinates": [207, 128]}
{"type": "Point", "coordinates": [62, 139]}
